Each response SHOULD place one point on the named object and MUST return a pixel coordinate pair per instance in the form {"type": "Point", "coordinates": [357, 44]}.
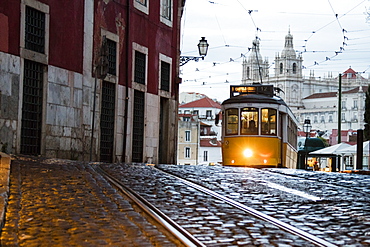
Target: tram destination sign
{"type": "Point", "coordinates": [251, 89]}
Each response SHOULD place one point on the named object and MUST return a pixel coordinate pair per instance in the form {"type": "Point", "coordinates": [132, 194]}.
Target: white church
{"type": "Point", "coordinates": [310, 97]}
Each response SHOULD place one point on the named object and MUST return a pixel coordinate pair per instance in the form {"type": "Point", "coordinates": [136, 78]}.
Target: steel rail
{"type": "Point", "coordinates": [307, 236]}
{"type": "Point", "coordinates": [180, 233]}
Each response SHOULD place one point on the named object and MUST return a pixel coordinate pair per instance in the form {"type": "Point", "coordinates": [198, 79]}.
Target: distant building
{"type": "Point", "coordinates": [51, 53]}
{"type": "Point", "coordinates": [310, 97]}
{"type": "Point", "coordinates": [188, 139]}
{"type": "Point", "coordinates": [202, 114]}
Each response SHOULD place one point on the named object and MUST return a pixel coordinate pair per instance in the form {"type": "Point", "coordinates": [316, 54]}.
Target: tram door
{"type": "Point", "coordinates": [282, 118]}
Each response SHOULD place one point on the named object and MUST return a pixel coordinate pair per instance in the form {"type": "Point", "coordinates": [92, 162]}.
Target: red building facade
{"type": "Point", "coordinates": [93, 79]}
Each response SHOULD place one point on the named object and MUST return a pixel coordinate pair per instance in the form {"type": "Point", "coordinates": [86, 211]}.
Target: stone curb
{"type": "Point", "coordinates": [5, 160]}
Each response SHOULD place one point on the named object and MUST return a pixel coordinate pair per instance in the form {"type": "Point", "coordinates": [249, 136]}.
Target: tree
{"type": "Point", "coordinates": [367, 115]}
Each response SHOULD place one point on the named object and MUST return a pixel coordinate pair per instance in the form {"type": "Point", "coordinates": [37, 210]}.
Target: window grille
{"type": "Point", "coordinates": [138, 127]}
{"type": "Point", "coordinates": [140, 61]}
{"type": "Point", "coordinates": [35, 30]}
{"type": "Point", "coordinates": [107, 121]}
{"type": "Point", "coordinates": [165, 76]}
{"type": "Point", "coordinates": [32, 108]}
{"type": "Point", "coordinates": [112, 57]}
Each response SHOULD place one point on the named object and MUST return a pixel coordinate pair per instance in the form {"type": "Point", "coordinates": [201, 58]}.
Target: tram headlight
{"type": "Point", "coordinates": [248, 153]}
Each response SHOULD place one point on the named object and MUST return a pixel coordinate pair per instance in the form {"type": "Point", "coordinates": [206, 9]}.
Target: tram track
{"type": "Point", "coordinates": [179, 232]}
{"type": "Point", "coordinates": [305, 235]}
{"type": "Point", "coordinates": [220, 198]}
{"type": "Point", "coordinates": [330, 214]}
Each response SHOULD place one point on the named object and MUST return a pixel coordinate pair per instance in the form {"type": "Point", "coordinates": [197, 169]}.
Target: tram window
{"type": "Point", "coordinates": [249, 121]}
{"type": "Point", "coordinates": [232, 122]}
{"type": "Point", "coordinates": [268, 122]}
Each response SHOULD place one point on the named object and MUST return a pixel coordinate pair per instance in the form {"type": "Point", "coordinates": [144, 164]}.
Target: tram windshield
{"type": "Point", "coordinates": [249, 121]}
{"type": "Point", "coordinates": [232, 121]}
{"type": "Point", "coordinates": [268, 122]}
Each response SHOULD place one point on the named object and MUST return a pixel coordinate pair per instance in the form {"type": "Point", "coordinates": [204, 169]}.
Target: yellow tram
{"type": "Point", "coordinates": [258, 128]}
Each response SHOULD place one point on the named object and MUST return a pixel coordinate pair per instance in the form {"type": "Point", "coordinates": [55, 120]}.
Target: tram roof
{"type": "Point", "coordinates": [255, 98]}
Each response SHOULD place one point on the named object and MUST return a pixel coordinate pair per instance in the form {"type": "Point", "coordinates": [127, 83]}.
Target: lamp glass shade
{"type": "Point", "coordinates": [203, 47]}
{"type": "Point", "coordinates": [307, 126]}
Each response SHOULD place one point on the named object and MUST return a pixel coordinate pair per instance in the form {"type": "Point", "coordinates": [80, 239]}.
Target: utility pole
{"type": "Point", "coordinates": [340, 109]}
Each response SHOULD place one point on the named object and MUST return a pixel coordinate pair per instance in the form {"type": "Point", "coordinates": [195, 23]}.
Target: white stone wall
{"type": "Point", "coordinates": [214, 155]}
{"type": "Point", "coordinates": [9, 101]}
{"type": "Point", "coordinates": [152, 113]}
{"type": "Point", "coordinates": [64, 115]}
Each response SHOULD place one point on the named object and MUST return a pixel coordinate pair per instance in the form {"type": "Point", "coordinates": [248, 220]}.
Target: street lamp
{"type": "Point", "coordinates": [306, 129]}
{"type": "Point", "coordinates": [202, 48]}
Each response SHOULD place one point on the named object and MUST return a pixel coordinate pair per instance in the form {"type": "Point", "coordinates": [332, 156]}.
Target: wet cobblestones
{"type": "Point", "coordinates": [61, 203]}
{"type": "Point", "coordinates": [341, 215]}
{"type": "Point", "coordinates": [64, 203]}
{"type": "Point", "coordinates": [212, 221]}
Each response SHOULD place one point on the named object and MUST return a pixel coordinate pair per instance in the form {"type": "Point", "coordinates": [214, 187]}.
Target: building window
{"type": "Point", "coordinates": [165, 76]}
{"type": "Point", "coordinates": [209, 114]}
{"type": "Point", "coordinates": [315, 119]}
{"type": "Point", "coordinates": [344, 105]}
{"type": "Point", "coordinates": [187, 135]}
{"type": "Point", "coordinates": [142, 2]}
{"type": "Point", "coordinates": [355, 117]}
{"type": "Point", "coordinates": [322, 120]}
{"type": "Point", "coordinates": [166, 9]}
{"type": "Point", "coordinates": [187, 152]}
{"type": "Point", "coordinates": [330, 118]}
{"type": "Point", "coordinates": [35, 30]}
{"type": "Point", "coordinates": [112, 57]}
{"type": "Point", "coordinates": [142, 5]}
{"type": "Point", "coordinates": [281, 68]}
{"type": "Point", "coordinates": [140, 67]}
{"type": "Point", "coordinates": [343, 117]}
{"type": "Point", "coordinates": [355, 104]}
{"type": "Point", "coordinates": [205, 156]}
{"type": "Point", "coordinates": [186, 119]}
{"type": "Point", "coordinates": [196, 112]}
{"type": "Point", "coordinates": [166, 12]}
{"type": "Point", "coordinates": [294, 68]}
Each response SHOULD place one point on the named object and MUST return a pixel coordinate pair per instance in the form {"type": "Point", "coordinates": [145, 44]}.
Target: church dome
{"type": "Point", "coordinates": [255, 53]}
{"type": "Point", "coordinates": [288, 50]}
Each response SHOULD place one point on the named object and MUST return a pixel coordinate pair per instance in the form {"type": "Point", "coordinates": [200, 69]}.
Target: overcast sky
{"type": "Point", "coordinates": [332, 36]}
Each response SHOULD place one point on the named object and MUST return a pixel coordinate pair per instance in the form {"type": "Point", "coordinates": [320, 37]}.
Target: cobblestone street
{"type": "Point", "coordinates": [55, 202]}
{"type": "Point", "coordinates": [64, 203]}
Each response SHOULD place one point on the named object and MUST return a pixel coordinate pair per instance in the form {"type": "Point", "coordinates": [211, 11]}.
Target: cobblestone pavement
{"type": "Point", "coordinates": [210, 220]}
{"type": "Point", "coordinates": [332, 206]}
{"type": "Point", "coordinates": [64, 203]}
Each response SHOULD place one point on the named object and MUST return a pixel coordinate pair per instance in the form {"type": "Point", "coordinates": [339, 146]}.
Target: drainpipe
{"type": "Point", "coordinates": [128, 50]}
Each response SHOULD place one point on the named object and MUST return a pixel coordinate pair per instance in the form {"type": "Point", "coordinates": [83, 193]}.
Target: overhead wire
{"type": "Point", "coordinates": [320, 62]}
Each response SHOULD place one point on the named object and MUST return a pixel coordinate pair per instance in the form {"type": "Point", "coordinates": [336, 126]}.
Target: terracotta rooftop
{"type": "Point", "coordinates": [210, 143]}
{"type": "Point", "coordinates": [202, 103]}
{"type": "Point", "coordinates": [351, 74]}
